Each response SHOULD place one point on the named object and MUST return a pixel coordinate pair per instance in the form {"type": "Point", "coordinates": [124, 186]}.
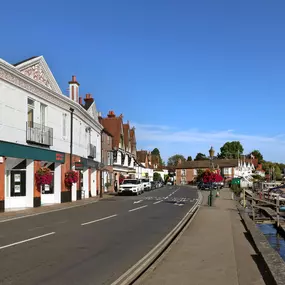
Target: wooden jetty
{"type": "Point", "coordinates": [270, 210]}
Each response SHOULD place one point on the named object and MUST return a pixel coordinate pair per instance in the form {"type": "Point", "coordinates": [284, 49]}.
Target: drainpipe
{"type": "Point", "coordinates": [101, 186]}
{"type": "Point", "coordinates": [71, 137]}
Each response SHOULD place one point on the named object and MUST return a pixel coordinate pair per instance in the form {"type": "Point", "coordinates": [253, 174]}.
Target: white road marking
{"type": "Point", "coordinates": [26, 240]}
{"type": "Point", "coordinates": [157, 202]}
{"type": "Point", "coordinates": [102, 219]}
{"type": "Point", "coordinates": [136, 202]}
{"type": "Point", "coordinates": [137, 208]}
{"type": "Point", "coordinates": [47, 212]}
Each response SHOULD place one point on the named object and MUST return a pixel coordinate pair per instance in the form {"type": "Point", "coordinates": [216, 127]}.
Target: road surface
{"type": "Point", "coordinates": [90, 244]}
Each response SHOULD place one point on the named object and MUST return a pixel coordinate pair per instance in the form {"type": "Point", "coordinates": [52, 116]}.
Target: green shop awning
{"type": "Point", "coordinates": [86, 162]}
{"type": "Point", "coordinates": [28, 152]}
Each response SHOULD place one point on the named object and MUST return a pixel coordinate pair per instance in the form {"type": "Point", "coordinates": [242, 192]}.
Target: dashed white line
{"type": "Point", "coordinates": [136, 202]}
{"type": "Point", "coordinates": [135, 209]}
{"type": "Point", "coordinates": [157, 202]}
{"type": "Point", "coordinates": [102, 219]}
{"type": "Point", "coordinates": [26, 240]}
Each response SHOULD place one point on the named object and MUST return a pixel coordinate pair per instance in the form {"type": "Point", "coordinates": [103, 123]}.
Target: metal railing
{"type": "Point", "coordinates": [39, 134]}
{"type": "Point", "coordinates": [91, 151]}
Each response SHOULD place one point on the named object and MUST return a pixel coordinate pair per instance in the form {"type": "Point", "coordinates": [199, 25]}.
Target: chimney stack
{"type": "Point", "coordinates": [88, 98]}
{"type": "Point", "coordinates": [74, 89]}
{"type": "Point", "coordinates": [111, 114]}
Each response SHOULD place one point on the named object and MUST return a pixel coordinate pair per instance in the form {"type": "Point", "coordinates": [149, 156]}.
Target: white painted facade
{"type": "Point", "coordinates": [14, 109]}
{"type": "Point", "coordinates": [29, 92]}
{"type": "Point", "coordinates": [244, 169]}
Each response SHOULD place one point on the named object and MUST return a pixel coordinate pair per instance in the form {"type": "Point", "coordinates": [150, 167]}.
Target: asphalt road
{"type": "Point", "coordinates": [91, 244]}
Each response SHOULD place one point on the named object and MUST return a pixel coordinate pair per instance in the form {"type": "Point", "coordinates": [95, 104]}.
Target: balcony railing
{"type": "Point", "coordinates": [39, 134]}
{"type": "Point", "coordinates": [91, 151]}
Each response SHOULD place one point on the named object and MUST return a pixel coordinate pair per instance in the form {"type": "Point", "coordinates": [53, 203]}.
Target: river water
{"type": "Point", "coordinates": [275, 239]}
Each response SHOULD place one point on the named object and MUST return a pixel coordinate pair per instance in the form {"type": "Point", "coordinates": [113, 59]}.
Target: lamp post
{"type": "Point", "coordinates": [211, 153]}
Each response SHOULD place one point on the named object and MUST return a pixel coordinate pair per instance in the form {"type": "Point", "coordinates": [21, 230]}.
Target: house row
{"type": "Point", "coordinates": [187, 172]}
{"type": "Point", "coordinates": [43, 130]}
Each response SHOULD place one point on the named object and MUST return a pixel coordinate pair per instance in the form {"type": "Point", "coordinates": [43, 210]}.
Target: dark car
{"type": "Point", "coordinates": [208, 186]}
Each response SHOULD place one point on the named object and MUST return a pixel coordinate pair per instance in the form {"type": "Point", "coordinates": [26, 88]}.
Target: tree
{"type": "Point", "coordinates": [157, 153]}
{"type": "Point", "coordinates": [256, 153]}
{"type": "Point", "coordinates": [200, 156]}
{"type": "Point", "coordinates": [189, 158]}
{"type": "Point", "coordinates": [231, 150]}
{"type": "Point", "coordinates": [156, 176]}
{"type": "Point", "coordinates": [173, 160]}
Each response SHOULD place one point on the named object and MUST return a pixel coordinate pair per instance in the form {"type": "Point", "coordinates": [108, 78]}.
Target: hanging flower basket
{"type": "Point", "coordinates": [210, 176]}
{"type": "Point", "coordinates": [70, 178]}
{"type": "Point", "coordinates": [43, 177]}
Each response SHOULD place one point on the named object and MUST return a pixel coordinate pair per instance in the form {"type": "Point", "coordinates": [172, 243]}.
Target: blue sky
{"type": "Point", "coordinates": [187, 74]}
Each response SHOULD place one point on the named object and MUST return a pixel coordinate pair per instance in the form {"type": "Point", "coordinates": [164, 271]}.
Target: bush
{"type": "Point", "coordinates": [236, 189]}
{"type": "Point", "coordinates": [107, 184]}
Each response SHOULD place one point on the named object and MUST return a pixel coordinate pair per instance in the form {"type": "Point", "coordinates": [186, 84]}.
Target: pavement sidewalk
{"type": "Point", "coordinates": [8, 215]}
{"type": "Point", "coordinates": [214, 250]}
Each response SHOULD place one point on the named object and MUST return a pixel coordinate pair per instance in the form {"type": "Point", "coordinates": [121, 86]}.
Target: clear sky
{"type": "Point", "coordinates": [188, 74]}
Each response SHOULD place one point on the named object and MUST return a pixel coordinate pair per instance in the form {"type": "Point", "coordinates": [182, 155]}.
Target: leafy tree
{"type": "Point", "coordinates": [200, 156]}
{"type": "Point", "coordinates": [277, 172]}
{"type": "Point", "coordinates": [189, 158]}
{"type": "Point", "coordinates": [256, 153]}
{"type": "Point", "coordinates": [200, 173]}
{"type": "Point", "coordinates": [156, 176]}
{"type": "Point", "coordinates": [231, 149]}
{"type": "Point", "coordinates": [173, 160]}
{"type": "Point", "coordinates": [157, 152]}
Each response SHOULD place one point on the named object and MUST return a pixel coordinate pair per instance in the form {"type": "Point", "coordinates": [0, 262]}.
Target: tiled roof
{"type": "Point", "coordinates": [141, 156]}
{"type": "Point", "coordinates": [206, 163]}
{"type": "Point", "coordinates": [254, 161]}
{"type": "Point", "coordinates": [155, 159]}
{"type": "Point", "coordinates": [113, 126]}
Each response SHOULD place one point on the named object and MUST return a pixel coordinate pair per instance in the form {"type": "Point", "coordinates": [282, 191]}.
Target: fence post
{"type": "Point", "coordinates": [277, 211]}
{"type": "Point", "coordinates": [253, 211]}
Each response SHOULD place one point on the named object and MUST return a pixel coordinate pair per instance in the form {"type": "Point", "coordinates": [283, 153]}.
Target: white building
{"type": "Point", "coordinates": [244, 169]}
{"type": "Point", "coordinates": [35, 131]}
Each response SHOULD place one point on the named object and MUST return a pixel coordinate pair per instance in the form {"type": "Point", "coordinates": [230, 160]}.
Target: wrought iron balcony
{"type": "Point", "coordinates": [39, 134]}
{"type": "Point", "coordinates": [91, 151]}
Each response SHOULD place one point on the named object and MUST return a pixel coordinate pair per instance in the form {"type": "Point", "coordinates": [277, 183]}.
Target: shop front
{"type": "Point", "coordinates": [19, 166]}
{"type": "Point", "coordinates": [87, 178]}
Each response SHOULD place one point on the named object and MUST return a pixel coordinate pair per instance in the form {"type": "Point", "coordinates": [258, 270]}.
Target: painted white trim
{"type": "Point", "coordinates": [9, 73]}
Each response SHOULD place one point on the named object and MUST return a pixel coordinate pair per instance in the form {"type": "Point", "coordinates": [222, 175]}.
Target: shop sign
{"type": "Point", "coordinates": [79, 165]}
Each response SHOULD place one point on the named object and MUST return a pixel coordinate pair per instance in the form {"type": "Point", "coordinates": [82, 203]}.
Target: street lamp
{"type": "Point", "coordinates": [211, 153]}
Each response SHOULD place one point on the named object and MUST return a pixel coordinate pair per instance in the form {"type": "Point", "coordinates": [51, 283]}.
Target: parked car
{"type": "Point", "coordinates": [220, 184]}
{"type": "Point", "coordinates": [152, 185]}
{"type": "Point", "coordinates": [146, 184]}
{"type": "Point", "coordinates": [208, 186]}
{"type": "Point", "coordinates": [131, 186]}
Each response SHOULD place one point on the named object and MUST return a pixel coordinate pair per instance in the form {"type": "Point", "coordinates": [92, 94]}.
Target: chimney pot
{"type": "Point", "coordinates": [73, 78]}
{"type": "Point", "coordinates": [80, 100]}
{"type": "Point", "coordinates": [88, 96]}
{"type": "Point", "coordinates": [111, 114]}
